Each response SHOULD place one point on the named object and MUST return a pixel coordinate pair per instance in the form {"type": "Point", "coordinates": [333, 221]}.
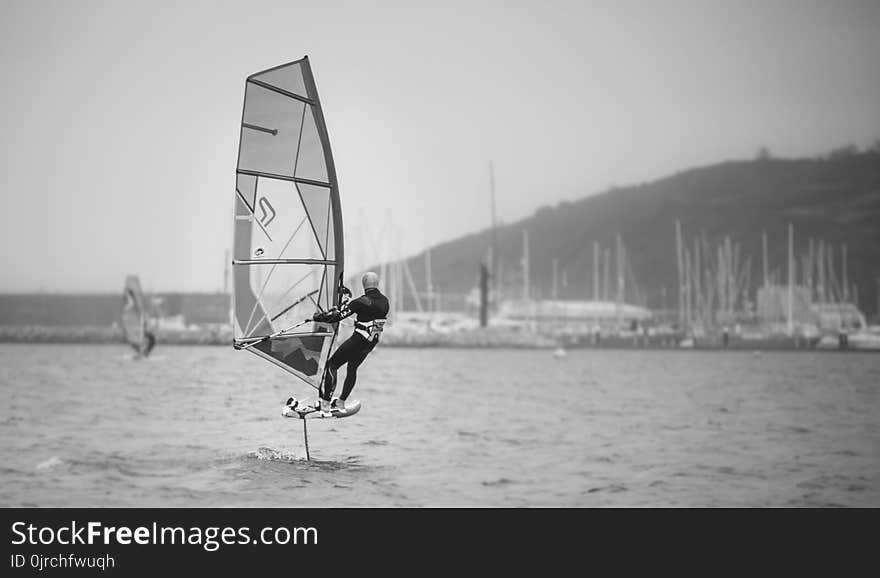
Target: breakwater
{"type": "Point", "coordinates": [480, 338]}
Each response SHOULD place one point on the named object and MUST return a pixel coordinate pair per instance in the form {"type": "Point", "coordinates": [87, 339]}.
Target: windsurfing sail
{"type": "Point", "coordinates": [288, 238]}
{"type": "Point", "coordinates": [134, 313]}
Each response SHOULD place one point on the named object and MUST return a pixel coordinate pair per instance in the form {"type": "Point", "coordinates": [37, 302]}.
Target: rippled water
{"type": "Point", "coordinates": [85, 425]}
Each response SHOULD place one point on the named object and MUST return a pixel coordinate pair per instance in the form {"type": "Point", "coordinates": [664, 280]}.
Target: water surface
{"type": "Point", "coordinates": [85, 425]}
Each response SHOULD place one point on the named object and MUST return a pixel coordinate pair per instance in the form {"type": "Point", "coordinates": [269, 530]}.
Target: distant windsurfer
{"type": "Point", "coordinates": [371, 309]}
{"type": "Point", "coordinates": [128, 304]}
{"type": "Point", "coordinates": [142, 349]}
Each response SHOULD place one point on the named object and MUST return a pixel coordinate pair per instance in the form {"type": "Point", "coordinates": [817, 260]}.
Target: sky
{"type": "Point", "coordinates": [121, 118]}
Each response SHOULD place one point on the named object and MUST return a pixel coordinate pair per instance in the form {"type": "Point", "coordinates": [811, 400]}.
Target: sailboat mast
{"type": "Point", "coordinates": [678, 259]}
{"type": "Point", "coordinates": [811, 277]}
{"type": "Point", "coordinates": [620, 279]}
{"type": "Point", "coordinates": [555, 284]}
{"type": "Point", "coordinates": [484, 294]}
{"type": "Point", "coordinates": [764, 256]}
{"type": "Point", "coordinates": [494, 248]}
{"type": "Point", "coordinates": [686, 259]}
{"type": "Point", "coordinates": [822, 293]}
{"type": "Point", "coordinates": [526, 292]}
{"type": "Point", "coordinates": [833, 293]}
{"type": "Point", "coordinates": [606, 275]}
{"type": "Point", "coordinates": [790, 279]}
{"type": "Point", "coordinates": [383, 243]}
{"type": "Point", "coordinates": [412, 286]}
{"type": "Point", "coordinates": [396, 277]}
{"type": "Point", "coordinates": [429, 283]}
{"type": "Point", "coordinates": [697, 285]}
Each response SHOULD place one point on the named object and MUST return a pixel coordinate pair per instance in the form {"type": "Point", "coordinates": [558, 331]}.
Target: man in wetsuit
{"type": "Point", "coordinates": [371, 309]}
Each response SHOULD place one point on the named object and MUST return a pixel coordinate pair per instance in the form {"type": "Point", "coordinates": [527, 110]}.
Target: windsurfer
{"type": "Point", "coordinates": [371, 309]}
{"type": "Point", "coordinates": [129, 303]}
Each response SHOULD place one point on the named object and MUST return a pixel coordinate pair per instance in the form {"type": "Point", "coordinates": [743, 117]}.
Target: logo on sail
{"type": "Point", "coordinates": [268, 211]}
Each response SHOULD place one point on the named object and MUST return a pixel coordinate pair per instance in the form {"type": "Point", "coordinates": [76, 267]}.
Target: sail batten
{"type": "Point", "coordinates": [288, 249]}
{"type": "Point", "coordinates": [266, 175]}
{"type": "Point", "coordinates": [280, 91]}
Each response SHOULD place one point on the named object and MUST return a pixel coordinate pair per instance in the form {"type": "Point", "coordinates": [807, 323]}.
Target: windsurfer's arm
{"type": "Point", "coordinates": [329, 316]}
{"type": "Point", "coordinates": [336, 315]}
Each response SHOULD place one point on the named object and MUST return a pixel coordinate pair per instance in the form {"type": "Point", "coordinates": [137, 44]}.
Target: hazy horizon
{"type": "Point", "coordinates": [122, 119]}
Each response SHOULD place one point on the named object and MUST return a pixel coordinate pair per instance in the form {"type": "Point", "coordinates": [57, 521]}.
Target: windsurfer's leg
{"type": "Point", "coordinates": [352, 369]}
{"type": "Point", "coordinates": [329, 382]}
{"type": "Point", "coordinates": [337, 360]}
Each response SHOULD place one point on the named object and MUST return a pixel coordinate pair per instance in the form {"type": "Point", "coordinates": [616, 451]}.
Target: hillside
{"type": "Point", "coordinates": [835, 198]}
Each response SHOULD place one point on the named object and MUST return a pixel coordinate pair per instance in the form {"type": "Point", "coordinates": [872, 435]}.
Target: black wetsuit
{"type": "Point", "coordinates": [370, 306]}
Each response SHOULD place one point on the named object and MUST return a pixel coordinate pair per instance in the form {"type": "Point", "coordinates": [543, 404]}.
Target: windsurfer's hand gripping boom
{"type": "Point", "coordinates": [335, 315]}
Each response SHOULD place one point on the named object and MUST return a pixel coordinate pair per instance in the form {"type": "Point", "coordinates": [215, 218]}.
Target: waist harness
{"type": "Point", "coordinates": [371, 330]}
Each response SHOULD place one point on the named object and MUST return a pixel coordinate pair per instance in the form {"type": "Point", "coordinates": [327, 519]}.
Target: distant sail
{"type": "Point", "coordinates": [134, 313]}
{"type": "Point", "coordinates": [288, 239]}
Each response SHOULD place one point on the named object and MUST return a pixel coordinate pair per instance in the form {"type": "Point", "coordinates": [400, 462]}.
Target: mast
{"type": "Point", "coordinates": [663, 300]}
{"type": "Point", "coordinates": [822, 292]}
{"type": "Point", "coordinates": [686, 259]}
{"type": "Point", "coordinates": [429, 284]}
{"type": "Point", "coordinates": [728, 275]}
{"type": "Point", "coordinates": [555, 291]}
{"type": "Point", "coordinates": [719, 280]}
{"type": "Point", "coordinates": [833, 293]}
{"type": "Point", "coordinates": [697, 284]}
{"type": "Point", "coordinates": [811, 278]}
{"type": "Point", "coordinates": [845, 278]}
{"type": "Point", "coordinates": [764, 255]}
{"type": "Point", "coordinates": [678, 259]}
{"type": "Point", "coordinates": [606, 275]}
{"type": "Point", "coordinates": [383, 244]}
{"type": "Point", "coordinates": [412, 286]}
{"type": "Point", "coordinates": [790, 278]}
{"type": "Point", "coordinates": [497, 286]}
{"type": "Point", "coordinates": [397, 278]}
{"type": "Point", "coordinates": [526, 292]}
{"type": "Point", "coordinates": [596, 271]}
{"type": "Point", "coordinates": [494, 247]}
{"type": "Point", "coordinates": [401, 286]}
{"type": "Point", "coordinates": [391, 290]}
{"type": "Point", "coordinates": [709, 277]}
{"type": "Point", "coordinates": [484, 294]}
{"type": "Point", "coordinates": [620, 278]}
